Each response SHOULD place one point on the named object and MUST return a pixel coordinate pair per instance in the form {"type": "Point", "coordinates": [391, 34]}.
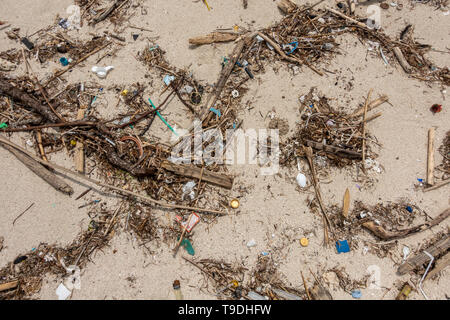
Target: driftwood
{"type": "Point", "coordinates": [214, 37]}
{"type": "Point", "coordinates": [194, 172]}
{"type": "Point", "coordinates": [430, 157]}
{"type": "Point", "coordinates": [384, 234]}
{"type": "Point", "coordinates": [15, 93]}
{"type": "Point", "coordinates": [420, 259]}
{"type": "Point", "coordinates": [40, 170]}
{"type": "Point", "coordinates": [441, 264]}
{"type": "Point", "coordinates": [401, 59]}
{"type": "Point", "coordinates": [286, 6]}
{"type": "Point", "coordinates": [134, 195]}
{"type": "Point", "coordinates": [344, 153]}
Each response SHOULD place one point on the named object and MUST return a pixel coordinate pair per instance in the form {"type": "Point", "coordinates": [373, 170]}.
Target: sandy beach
{"type": "Point", "coordinates": [274, 211]}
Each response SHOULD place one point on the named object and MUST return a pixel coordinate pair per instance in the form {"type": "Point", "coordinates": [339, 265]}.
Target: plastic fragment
{"type": "Point", "coordinates": [101, 71]}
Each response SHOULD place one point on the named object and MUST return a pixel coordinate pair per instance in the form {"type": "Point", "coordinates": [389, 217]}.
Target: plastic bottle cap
{"type": "Point", "coordinates": [304, 242]}
{"type": "Point", "coordinates": [234, 203]}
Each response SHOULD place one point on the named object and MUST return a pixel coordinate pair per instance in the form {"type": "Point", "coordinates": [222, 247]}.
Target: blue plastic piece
{"type": "Point", "coordinates": [409, 209]}
{"type": "Point", "coordinates": [64, 61]}
{"type": "Point", "coordinates": [357, 294]}
{"type": "Point", "coordinates": [216, 111]}
{"type": "Point", "coordinates": [342, 246]}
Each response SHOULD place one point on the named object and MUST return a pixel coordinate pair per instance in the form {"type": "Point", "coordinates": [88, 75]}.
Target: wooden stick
{"type": "Point", "coordinates": [360, 24]}
{"type": "Point", "coordinates": [41, 148]}
{"type": "Point", "coordinates": [441, 264]}
{"type": "Point", "coordinates": [79, 148]}
{"type": "Point", "coordinates": [306, 287]}
{"type": "Point", "coordinates": [309, 154]}
{"type": "Point", "coordinates": [401, 59]}
{"type": "Point", "coordinates": [384, 98]}
{"type": "Point", "coordinates": [364, 132]}
{"type": "Point", "coordinates": [194, 172]}
{"type": "Point", "coordinates": [122, 191]}
{"type": "Point", "coordinates": [214, 37]}
{"type": "Point", "coordinates": [9, 285]}
{"type": "Point", "coordinates": [437, 185]}
{"type": "Point", "coordinates": [37, 168]}
{"type": "Point", "coordinates": [430, 157]}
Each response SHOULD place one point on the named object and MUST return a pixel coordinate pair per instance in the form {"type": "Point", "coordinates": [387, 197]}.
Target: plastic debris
{"type": "Point", "coordinates": [3, 125]}
{"type": "Point", "coordinates": [252, 295]}
{"type": "Point", "coordinates": [304, 242]}
{"type": "Point", "coordinates": [251, 243]}
{"type": "Point", "coordinates": [162, 119]}
{"type": "Point", "coordinates": [285, 295]}
{"type": "Point", "coordinates": [177, 290]}
{"type": "Point", "coordinates": [404, 293]}
{"type": "Point", "coordinates": [409, 209]}
{"type": "Point", "coordinates": [327, 46]}
{"type": "Point", "coordinates": [357, 294]}
{"type": "Point", "coordinates": [191, 223]}
{"type": "Point", "coordinates": [234, 203]}
{"type": "Point", "coordinates": [186, 244]}
{"type": "Point", "coordinates": [62, 292]}
{"type": "Point", "coordinates": [63, 23]}
{"type": "Point", "coordinates": [406, 252]}
{"type": "Point", "coordinates": [64, 61]}
{"type": "Point", "coordinates": [188, 189]}
{"type": "Point", "coordinates": [291, 46]}
{"type": "Point", "coordinates": [342, 246]}
{"type": "Point", "coordinates": [235, 93]}
{"type": "Point", "coordinates": [264, 253]}
{"type": "Point", "coordinates": [168, 79]}
{"type": "Point", "coordinates": [27, 43]}
{"type": "Point", "coordinates": [301, 180]}
{"type": "Point", "coordinates": [435, 108]}
{"type": "Point", "coordinates": [101, 71]}
{"type": "Point", "coordinates": [216, 111]}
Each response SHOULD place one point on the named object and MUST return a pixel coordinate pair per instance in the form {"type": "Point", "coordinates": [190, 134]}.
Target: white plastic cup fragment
{"type": "Point", "coordinates": [101, 71]}
{"type": "Point", "coordinates": [62, 292]}
{"type": "Point", "coordinates": [301, 180]}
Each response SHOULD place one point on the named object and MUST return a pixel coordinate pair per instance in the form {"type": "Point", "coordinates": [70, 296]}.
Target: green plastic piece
{"type": "Point", "coordinates": [186, 244]}
{"type": "Point", "coordinates": [3, 125]}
